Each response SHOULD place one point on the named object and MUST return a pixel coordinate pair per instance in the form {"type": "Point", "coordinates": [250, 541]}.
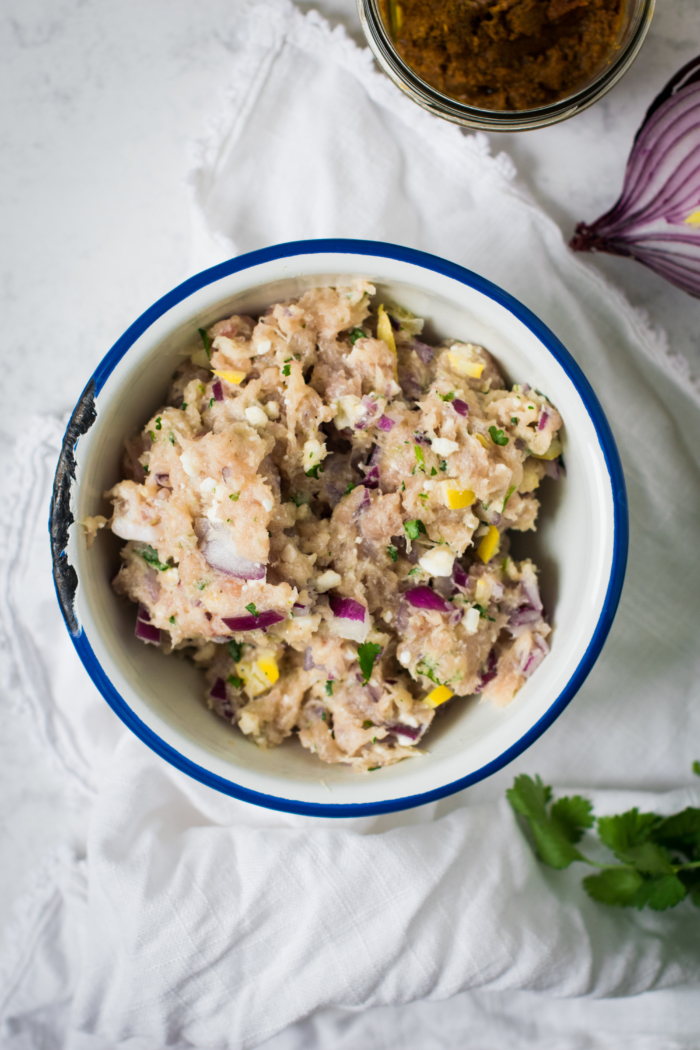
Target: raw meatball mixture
{"type": "Point", "coordinates": [318, 517]}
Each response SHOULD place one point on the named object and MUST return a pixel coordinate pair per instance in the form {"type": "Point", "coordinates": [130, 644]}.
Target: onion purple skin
{"type": "Point", "coordinates": [661, 190]}
{"type": "Point", "coordinates": [261, 622]}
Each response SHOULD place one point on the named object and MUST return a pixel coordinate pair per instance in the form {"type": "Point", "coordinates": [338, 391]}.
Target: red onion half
{"type": "Point", "coordinates": [657, 218]}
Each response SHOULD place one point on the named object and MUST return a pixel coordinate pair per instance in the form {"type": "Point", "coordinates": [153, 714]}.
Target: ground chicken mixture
{"type": "Point", "coordinates": [319, 518]}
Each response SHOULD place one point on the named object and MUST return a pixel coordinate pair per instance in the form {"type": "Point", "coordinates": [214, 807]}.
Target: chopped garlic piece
{"type": "Point", "coordinates": [255, 416]}
{"type": "Point", "coordinates": [438, 562]}
{"type": "Point", "coordinates": [188, 464]}
{"type": "Point", "coordinates": [438, 696]}
{"type": "Point", "coordinates": [327, 580]}
{"type": "Point", "coordinates": [489, 544]}
{"type": "Point", "coordinates": [471, 621]}
{"type": "Point", "coordinates": [230, 375]}
{"type": "Point", "coordinates": [464, 359]}
{"type": "Point", "coordinates": [457, 499]}
{"type": "Point", "coordinates": [208, 485]}
{"type": "Point", "coordinates": [405, 658]}
{"type": "Point", "coordinates": [348, 411]}
{"type": "Point", "coordinates": [443, 446]}
{"type": "Point", "coordinates": [273, 410]}
{"type": "Point", "coordinates": [384, 330]}
{"type": "Point", "coordinates": [268, 504]}
{"type": "Point", "coordinates": [314, 452]}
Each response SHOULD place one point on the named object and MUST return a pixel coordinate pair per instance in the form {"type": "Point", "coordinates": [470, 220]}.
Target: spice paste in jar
{"type": "Point", "coordinates": [504, 54]}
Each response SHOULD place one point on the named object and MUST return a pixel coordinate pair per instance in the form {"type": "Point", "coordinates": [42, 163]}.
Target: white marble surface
{"type": "Point", "coordinates": [101, 102]}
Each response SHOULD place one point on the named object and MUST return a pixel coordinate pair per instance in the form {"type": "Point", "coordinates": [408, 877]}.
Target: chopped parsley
{"type": "Point", "coordinates": [415, 572]}
{"type": "Point", "coordinates": [349, 489]}
{"type": "Point", "coordinates": [207, 342]}
{"type": "Point", "coordinates": [329, 688]}
{"type": "Point", "coordinates": [484, 614]}
{"type": "Point", "coordinates": [171, 619]}
{"type": "Point", "coordinates": [374, 740]}
{"type": "Point", "coordinates": [509, 493]}
{"type": "Point", "coordinates": [202, 584]}
{"type": "Point", "coordinates": [372, 768]}
{"type": "Point", "coordinates": [433, 472]}
{"type": "Point", "coordinates": [422, 495]}
{"type": "Point", "coordinates": [234, 496]}
{"type": "Point", "coordinates": [286, 370]}
{"type": "Point", "coordinates": [531, 406]}
{"type": "Point", "coordinates": [159, 425]}
{"type": "Point", "coordinates": [235, 650]}
{"type": "Point", "coordinates": [420, 458]}
{"type": "Point", "coordinates": [314, 472]}
{"type": "Point", "coordinates": [443, 465]}
{"type": "Point", "coordinates": [300, 498]}
{"type": "Point", "coordinates": [392, 552]}
{"type": "Point", "coordinates": [497, 436]}
{"type": "Point", "coordinates": [447, 397]}
{"type": "Point", "coordinates": [252, 610]}
{"type": "Point", "coordinates": [211, 401]}
{"type": "Point", "coordinates": [367, 724]}
{"type": "Point", "coordinates": [146, 469]}
{"type": "Point", "coordinates": [403, 486]}
{"type": "Point", "coordinates": [428, 669]}
{"type": "Point", "coordinates": [414, 528]}
{"type": "Point", "coordinates": [324, 716]}
{"type": "Point", "coordinates": [367, 653]}
{"type": "Point", "coordinates": [357, 333]}
{"type": "Point", "coordinates": [184, 405]}
{"type": "Point", "coordinates": [150, 555]}
{"type": "Point", "coordinates": [235, 681]}
{"type": "Point", "coordinates": [151, 435]}
{"type": "Point", "coordinates": [171, 439]}
{"type": "Point", "coordinates": [514, 420]}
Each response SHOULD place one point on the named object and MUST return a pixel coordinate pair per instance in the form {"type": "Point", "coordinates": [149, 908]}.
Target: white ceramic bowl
{"type": "Point", "coordinates": [580, 545]}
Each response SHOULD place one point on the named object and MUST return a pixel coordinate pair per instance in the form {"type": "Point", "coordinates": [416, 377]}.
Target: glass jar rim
{"type": "Point", "coordinates": [451, 109]}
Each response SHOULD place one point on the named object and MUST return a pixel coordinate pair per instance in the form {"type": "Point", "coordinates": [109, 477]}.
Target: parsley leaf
{"type": "Point", "coordinates": [367, 653]}
{"type": "Point", "coordinates": [447, 397]}
{"type": "Point", "coordinates": [235, 650]}
{"type": "Point", "coordinates": [393, 552]}
{"type": "Point", "coordinates": [234, 496]}
{"type": "Point", "coordinates": [171, 619]}
{"type": "Point", "coordinates": [498, 436]}
{"type": "Point", "coordinates": [483, 613]}
{"type": "Point", "coordinates": [696, 768]}
{"type": "Point", "coordinates": [414, 528]}
{"type": "Point", "coordinates": [349, 488]}
{"type": "Point", "coordinates": [159, 424]}
{"type": "Point", "coordinates": [150, 555]}
{"type": "Point", "coordinates": [329, 688]}
{"type": "Point", "coordinates": [286, 370]}
{"type": "Point", "coordinates": [529, 798]}
{"type": "Point", "coordinates": [443, 464]}
{"type": "Point", "coordinates": [252, 610]}
{"type": "Point", "coordinates": [357, 333]}
{"type": "Point", "coordinates": [206, 340]}
{"type": "Point", "coordinates": [420, 458]}
{"type": "Point", "coordinates": [313, 473]}
{"type": "Point", "coordinates": [433, 472]}
{"type": "Point", "coordinates": [211, 401]}
{"type": "Point", "coordinates": [514, 420]}
{"type": "Point", "coordinates": [617, 886]}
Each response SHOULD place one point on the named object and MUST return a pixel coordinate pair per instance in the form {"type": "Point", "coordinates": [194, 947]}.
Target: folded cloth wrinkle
{"type": "Point", "coordinates": [200, 921]}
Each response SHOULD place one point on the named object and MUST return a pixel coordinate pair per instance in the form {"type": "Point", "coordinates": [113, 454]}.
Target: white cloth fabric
{"type": "Point", "coordinates": [188, 919]}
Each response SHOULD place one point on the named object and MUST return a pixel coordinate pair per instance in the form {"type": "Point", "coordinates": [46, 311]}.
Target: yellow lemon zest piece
{"type": "Point", "coordinates": [693, 219]}
{"type": "Point", "coordinates": [463, 365]}
{"type": "Point", "coordinates": [458, 498]}
{"type": "Point", "coordinates": [269, 668]}
{"type": "Point", "coordinates": [230, 376]}
{"type": "Point", "coordinates": [438, 696]}
{"type": "Point", "coordinates": [384, 330]}
{"type": "Point", "coordinates": [489, 544]}
{"type": "Point", "coordinates": [552, 452]}
{"type": "Point", "coordinates": [482, 440]}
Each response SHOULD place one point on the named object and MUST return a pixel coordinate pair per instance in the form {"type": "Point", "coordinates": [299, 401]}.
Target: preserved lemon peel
{"type": "Point", "coordinates": [457, 499]}
{"type": "Point", "coordinates": [230, 375]}
{"type": "Point", "coordinates": [384, 330]}
{"type": "Point", "coordinates": [438, 696]}
{"type": "Point", "coordinates": [552, 452]}
{"type": "Point", "coordinates": [489, 544]}
{"type": "Point", "coordinates": [482, 440]}
{"type": "Point", "coordinates": [463, 362]}
{"type": "Point", "coordinates": [268, 666]}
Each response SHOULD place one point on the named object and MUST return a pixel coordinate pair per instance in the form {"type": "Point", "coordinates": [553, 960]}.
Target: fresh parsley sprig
{"type": "Point", "coordinates": [659, 857]}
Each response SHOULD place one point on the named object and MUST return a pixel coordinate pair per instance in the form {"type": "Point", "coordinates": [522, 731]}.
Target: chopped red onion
{"type": "Point", "coordinates": [425, 352]}
{"type": "Point", "coordinates": [421, 439]}
{"type": "Point", "coordinates": [218, 546]}
{"type": "Point", "coordinates": [655, 218]}
{"type": "Point", "coordinates": [350, 619]}
{"type": "Point", "coordinates": [553, 468]}
{"type": "Point", "coordinates": [461, 407]}
{"type": "Point", "coordinates": [163, 480]}
{"type": "Point", "coordinates": [143, 613]}
{"type": "Point", "coordinates": [459, 575]}
{"type": "Point", "coordinates": [413, 733]}
{"type": "Point", "coordinates": [261, 622]}
{"type": "Point", "coordinates": [365, 501]}
{"type": "Point", "coordinates": [544, 419]}
{"type": "Point", "coordinates": [309, 660]}
{"type": "Point", "coordinates": [424, 597]}
{"type": "Point", "coordinates": [217, 390]}
{"type": "Point", "coordinates": [533, 661]}
{"type": "Point", "coordinates": [372, 478]}
{"type": "Point", "coordinates": [489, 673]}
{"type": "Point", "coordinates": [384, 423]}
{"type": "Point", "coordinates": [524, 615]}
{"type": "Point", "coordinates": [218, 690]}
{"type": "Point", "coordinates": [300, 610]}
{"type": "Point", "coordinates": [529, 585]}
{"type": "Point", "coordinates": [146, 631]}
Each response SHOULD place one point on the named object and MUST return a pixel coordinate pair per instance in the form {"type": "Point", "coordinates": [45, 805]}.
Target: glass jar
{"type": "Point", "coordinates": [636, 17]}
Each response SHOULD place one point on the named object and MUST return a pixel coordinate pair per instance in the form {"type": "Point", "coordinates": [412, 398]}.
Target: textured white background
{"type": "Point", "coordinates": [101, 100]}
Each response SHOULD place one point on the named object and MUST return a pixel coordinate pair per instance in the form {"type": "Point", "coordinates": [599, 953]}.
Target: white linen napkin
{"type": "Point", "coordinates": [196, 920]}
